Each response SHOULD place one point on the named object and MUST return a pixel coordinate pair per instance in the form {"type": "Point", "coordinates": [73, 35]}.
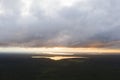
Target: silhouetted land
{"type": "Point", "coordinates": [23, 67]}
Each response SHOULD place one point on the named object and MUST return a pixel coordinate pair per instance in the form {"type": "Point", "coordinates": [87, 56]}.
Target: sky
{"type": "Point", "coordinates": [60, 23]}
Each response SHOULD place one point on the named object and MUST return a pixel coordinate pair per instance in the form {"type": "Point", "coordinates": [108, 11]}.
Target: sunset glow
{"type": "Point", "coordinates": [57, 57]}
{"type": "Point", "coordinates": [60, 50]}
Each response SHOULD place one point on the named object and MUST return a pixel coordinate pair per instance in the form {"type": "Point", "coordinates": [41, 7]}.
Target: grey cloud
{"type": "Point", "coordinates": [74, 25]}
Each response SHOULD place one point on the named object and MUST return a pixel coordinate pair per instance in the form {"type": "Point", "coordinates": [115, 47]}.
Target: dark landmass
{"type": "Point", "coordinates": [95, 67]}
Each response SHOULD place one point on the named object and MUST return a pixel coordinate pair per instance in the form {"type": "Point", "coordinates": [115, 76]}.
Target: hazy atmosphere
{"type": "Point", "coordinates": [66, 23]}
{"type": "Point", "coordinates": [59, 39]}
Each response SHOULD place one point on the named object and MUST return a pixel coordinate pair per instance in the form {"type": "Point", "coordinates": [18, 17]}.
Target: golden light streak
{"type": "Point", "coordinates": [60, 50]}
{"type": "Point", "coordinates": [57, 57]}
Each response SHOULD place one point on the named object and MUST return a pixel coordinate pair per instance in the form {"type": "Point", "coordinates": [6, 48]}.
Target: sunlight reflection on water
{"type": "Point", "coordinates": [57, 57]}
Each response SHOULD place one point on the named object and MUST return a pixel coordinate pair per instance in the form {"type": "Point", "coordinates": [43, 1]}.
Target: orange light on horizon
{"type": "Point", "coordinates": [60, 50]}
{"type": "Point", "coordinates": [77, 50]}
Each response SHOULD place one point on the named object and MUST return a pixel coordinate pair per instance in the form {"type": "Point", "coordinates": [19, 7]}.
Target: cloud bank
{"type": "Point", "coordinates": [69, 23]}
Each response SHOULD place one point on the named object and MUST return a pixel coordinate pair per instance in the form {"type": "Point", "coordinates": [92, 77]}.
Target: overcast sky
{"type": "Point", "coordinates": [50, 23]}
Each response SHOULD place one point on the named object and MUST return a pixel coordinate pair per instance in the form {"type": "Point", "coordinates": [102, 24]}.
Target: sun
{"type": "Point", "coordinates": [69, 3]}
{"type": "Point", "coordinates": [25, 10]}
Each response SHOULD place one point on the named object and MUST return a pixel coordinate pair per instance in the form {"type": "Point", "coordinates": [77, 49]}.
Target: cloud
{"type": "Point", "coordinates": [58, 22]}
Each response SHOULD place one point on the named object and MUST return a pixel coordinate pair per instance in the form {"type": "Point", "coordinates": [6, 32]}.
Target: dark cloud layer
{"type": "Point", "coordinates": [71, 23]}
